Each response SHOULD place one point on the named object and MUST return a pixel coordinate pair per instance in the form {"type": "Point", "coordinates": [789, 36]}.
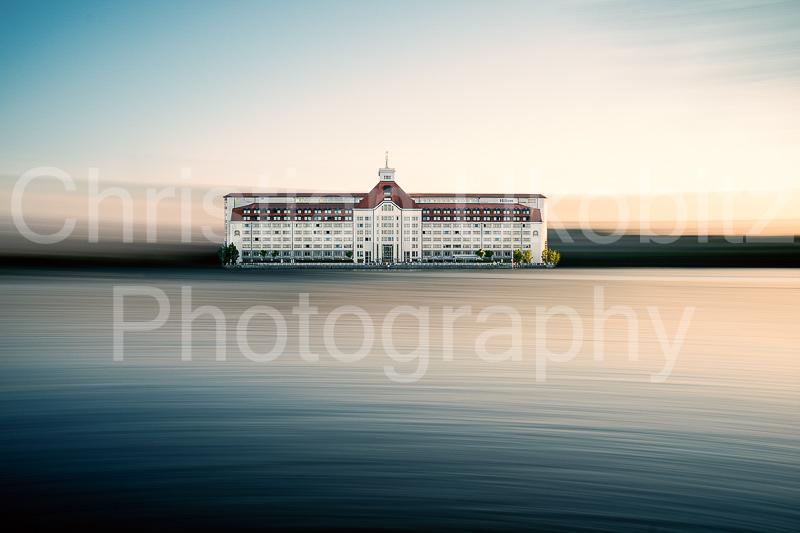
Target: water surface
{"type": "Point", "coordinates": [472, 444]}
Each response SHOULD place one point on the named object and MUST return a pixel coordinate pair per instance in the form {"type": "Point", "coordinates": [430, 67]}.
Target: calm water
{"type": "Point", "coordinates": [472, 444]}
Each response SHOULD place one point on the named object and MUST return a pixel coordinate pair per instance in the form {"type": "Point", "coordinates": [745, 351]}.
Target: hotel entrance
{"type": "Point", "coordinates": [388, 255]}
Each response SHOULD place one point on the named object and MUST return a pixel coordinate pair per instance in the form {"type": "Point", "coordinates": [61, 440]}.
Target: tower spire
{"type": "Point", "coordinates": [387, 158]}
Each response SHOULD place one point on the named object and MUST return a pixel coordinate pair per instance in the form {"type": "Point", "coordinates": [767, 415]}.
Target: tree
{"type": "Point", "coordinates": [275, 253]}
{"type": "Point", "coordinates": [518, 255]}
{"type": "Point", "coordinates": [228, 254]}
{"type": "Point", "coordinates": [263, 254]}
{"type": "Point", "coordinates": [527, 257]}
{"type": "Point", "coordinates": [551, 257]}
{"type": "Point", "coordinates": [480, 253]}
{"type": "Point", "coordinates": [489, 254]}
{"type": "Point", "coordinates": [349, 254]}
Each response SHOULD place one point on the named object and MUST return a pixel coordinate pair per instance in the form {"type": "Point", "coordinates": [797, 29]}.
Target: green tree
{"type": "Point", "coordinates": [349, 254]}
{"type": "Point", "coordinates": [489, 254]}
{"type": "Point", "coordinates": [228, 254]}
{"type": "Point", "coordinates": [263, 254]}
{"type": "Point", "coordinates": [275, 253]}
{"type": "Point", "coordinates": [518, 256]}
{"type": "Point", "coordinates": [480, 253]}
{"type": "Point", "coordinates": [551, 257]}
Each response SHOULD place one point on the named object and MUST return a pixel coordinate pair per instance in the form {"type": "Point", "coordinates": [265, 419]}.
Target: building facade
{"type": "Point", "coordinates": [385, 225]}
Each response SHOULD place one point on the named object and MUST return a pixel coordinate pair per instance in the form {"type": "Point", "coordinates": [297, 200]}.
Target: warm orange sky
{"type": "Point", "coordinates": [580, 95]}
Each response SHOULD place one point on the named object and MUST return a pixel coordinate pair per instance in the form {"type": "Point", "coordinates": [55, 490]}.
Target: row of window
{"type": "Point", "coordinates": [476, 211]}
{"type": "Point", "coordinates": [306, 253]}
{"type": "Point", "coordinates": [297, 211]}
{"type": "Point", "coordinates": [307, 249]}
{"type": "Point", "coordinates": [299, 232]}
{"type": "Point", "coordinates": [477, 219]}
{"type": "Point", "coordinates": [316, 217]}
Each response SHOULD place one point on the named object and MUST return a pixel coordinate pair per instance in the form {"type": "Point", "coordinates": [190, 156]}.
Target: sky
{"type": "Point", "coordinates": [568, 97]}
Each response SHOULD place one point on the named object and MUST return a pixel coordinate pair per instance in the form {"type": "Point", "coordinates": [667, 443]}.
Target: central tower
{"type": "Point", "coordinates": [386, 173]}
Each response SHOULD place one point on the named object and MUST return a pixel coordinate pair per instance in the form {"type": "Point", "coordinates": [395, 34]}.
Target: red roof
{"type": "Point", "coordinates": [477, 210]}
{"type": "Point", "coordinates": [295, 194]}
{"type": "Point", "coordinates": [362, 195]}
{"type": "Point", "coordinates": [383, 190]}
{"type": "Point", "coordinates": [473, 207]}
{"type": "Point", "coordinates": [474, 195]}
{"type": "Point", "coordinates": [277, 211]}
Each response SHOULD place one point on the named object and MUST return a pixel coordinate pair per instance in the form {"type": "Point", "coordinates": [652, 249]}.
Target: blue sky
{"type": "Point", "coordinates": [587, 93]}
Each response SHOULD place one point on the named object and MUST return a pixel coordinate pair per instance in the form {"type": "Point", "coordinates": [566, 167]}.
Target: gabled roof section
{"type": "Point", "coordinates": [384, 190]}
{"type": "Point", "coordinates": [475, 195]}
{"type": "Point", "coordinates": [293, 194]}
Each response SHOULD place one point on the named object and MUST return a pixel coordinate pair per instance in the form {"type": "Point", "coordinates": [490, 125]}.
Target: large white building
{"type": "Point", "coordinates": [385, 225]}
